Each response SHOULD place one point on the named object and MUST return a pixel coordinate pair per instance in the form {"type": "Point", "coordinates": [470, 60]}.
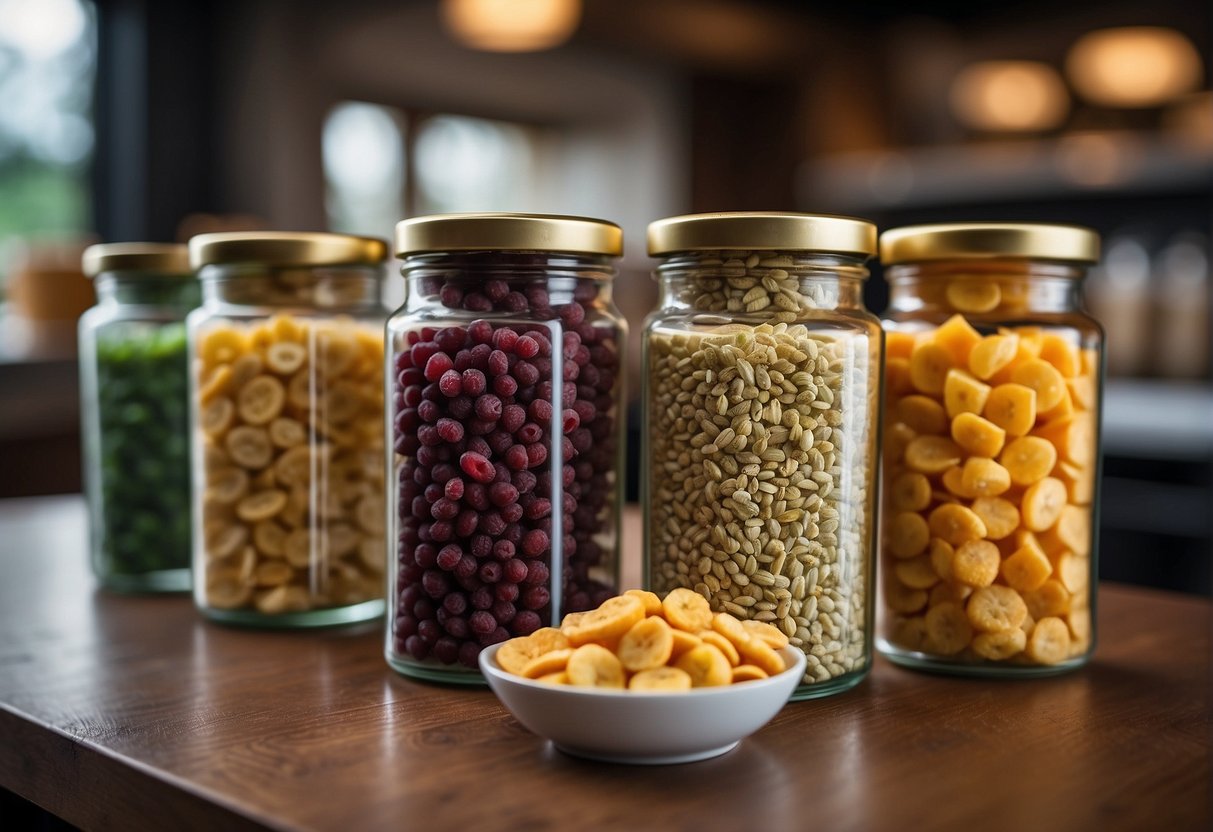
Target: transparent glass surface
{"type": "Point", "coordinates": [761, 397]}
{"type": "Point", "coordinates": [505, 465]}
{"type": "Point", "coordinates": [287, 404]}
{"type": "Point", "coordinates": [990, 470]}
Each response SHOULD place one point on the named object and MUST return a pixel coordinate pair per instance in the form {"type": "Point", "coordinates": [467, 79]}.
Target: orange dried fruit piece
{"type": "Point", "coordinates": [1061, 354]}
{"type": "Point", "coordinates": [948, 628]}
{"type": "Point", "coordinates": [978, 436]}
{"type": "Point", "coordinates": [682, 642]}
{"type": "Point", "coordinates": [1073, 437]}
{"type": "Point", "coordinates": [1000, 646]}
{"type": "Point", "coordinates": [660, 680]}
{"type": "Point", "coordinates": [594, 666]}
{"type": "Point", "coordinates": [261, 506]}
{"type": "Point", "coordinates": [216, 416]}
{"type": "Point", "coordinates": [897, 376]}
{"type": "Point", "coordinates": [1079, 481]}
{"type": "Point", "coordinates": [923, 414]}
{"type": "Point", "coordinates": [1027, 568]}
{"type": "Point", "coordinates": [285, 357]}
{"type": "Point", "coordinates": [722, 644]}
{"type": "Point", "coordinates": [983, 477]}
{"type": "Point", "coordinates": [940, 554]}
{"type": "Point", "coordinates": [956, 524]}
{"type": "Point", "coordinates": [545, 664]}
{"type": "Point", "coordinates": [909, 491]}
{"type": "Point", "coordinates": [929, 367]}
{"type": "Point", "coordinates": [953, 480]}
{"type": "Point", "coordinates": [222, 346]}
{"type": "Point", "coordinates": [958, 337]}
{"type": "Point", "coordinates": [771, 635]}
{"type": "Point", "coordinates": [1080, 625]}
{"type": "Point", "coordinates": [560, 678]}
{"type": "Point", "coordinates": [898, 344]}
{"type": "Point", "coordinates": [260, 400]}
{"type": "Point", "coordinates": [1050, 598]}
{"type": "Point", "coordinates": [1012, 407]}
{"type": "Point", "coordinates": [748, 673]}
{"type": "Point", "coordinates": [932, 454]}
{"type": "Point", "coordinates": [646, 645]}
{"type": "Point", "coordinates": [962, 393]}
{"type": "Point", "coordinates": [992, 354]}
{"type": "Point", "coordinates": [651, 600]}
{"type": "Point", "coordinates": [1042, 377]}
{"type": "Point", "coordinates": [948, 592]}
{"type": "Point", "coordinates": [608, 623]}
{"type": "Point", "coordinates": [999, 515]}
{"type": "Point", "coordinates": [916, 573]}
{"type": "Point", "coordinates": [897, 437]}
{"type": "Point", "coordinates": [686, 609]}
{"type": "Point", "coordinates": [996, 608]}
{"type": "Point", "coordinates": [1042, 504]}
{"type": "Point", "coordinates": [1049, 642]}
{"type": "Point", "coordinates": [1082, 392]}
{"type": "Point", "coordinates": [908, 534]}
{"type": "Point", "coordinates": [706, 666]}
{"type": "Point", "coordinates": [1074, 573]}
{"type": "Point", "coordinates": [1073, 530]}
{"type": "Point", "coordinates": [249, 446]}
{"type": "Point", "coordinates": [911, 634]}
{"type": "Point", "coordinates": [1028, 459]}
{"type": "Point", "coordinates": [976, 563]}
{"type": "Point", "coordinates": [900, 598]}
{"type": "Point", "coordinates": [972, 295]}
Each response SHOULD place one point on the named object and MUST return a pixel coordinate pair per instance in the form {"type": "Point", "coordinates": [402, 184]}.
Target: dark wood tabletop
{"type": "Point", "coordinates": [132, 712]}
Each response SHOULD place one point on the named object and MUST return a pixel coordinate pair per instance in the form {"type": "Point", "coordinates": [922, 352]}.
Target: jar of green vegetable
{"type": "Point", "coordinates": [134, 375]}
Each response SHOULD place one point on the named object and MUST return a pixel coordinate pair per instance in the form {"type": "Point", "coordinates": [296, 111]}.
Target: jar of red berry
{"type": "Point", "coordinates": [505, 421]}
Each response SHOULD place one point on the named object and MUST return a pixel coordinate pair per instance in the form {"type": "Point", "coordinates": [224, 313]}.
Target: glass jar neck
{"type": "Point", "coordinates": [733, 282]}
{"type": "Point", "coordinates": [921, 289]}
{"type": "Point", "coordinates": [143, 289]}
{"type": "Point", "coordinates": [484, 281]}
{"type": "Point", "coordinates": [330, 288]}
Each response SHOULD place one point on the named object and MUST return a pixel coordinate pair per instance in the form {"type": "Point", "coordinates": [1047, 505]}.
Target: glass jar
{"type": "Point", "coordinates": [761, 397]}
{"type": "Point", "coordinates": [991, 449]}
{"type": "Point", "coordinates": [506, 433]}
{"type": "Point", "coordinates": [287, 414]}
{"type": "Point", "coordinates": [134, 404]}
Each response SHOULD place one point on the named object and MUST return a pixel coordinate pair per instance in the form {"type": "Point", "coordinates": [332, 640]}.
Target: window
{"type": "Point", "coordinates": [382, 164]}
{"type": "Point", "coordinates": [47, 66]}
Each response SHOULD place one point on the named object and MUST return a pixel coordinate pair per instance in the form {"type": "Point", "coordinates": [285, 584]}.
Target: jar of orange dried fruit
{"type": "Point", "coordinates": [990, 464]}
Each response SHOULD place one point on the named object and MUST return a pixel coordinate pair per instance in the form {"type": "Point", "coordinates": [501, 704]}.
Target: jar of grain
{"type": "Point", "coordinates": [506, 430]}
{"type": "Point", "coordinates": [134, 414]}
{"type": "Point", "coordinates": [991, 449]}
{"type": "Point", "coordinates": [287, 410]}
{"type": "Point", "coordinates": [761, 395]}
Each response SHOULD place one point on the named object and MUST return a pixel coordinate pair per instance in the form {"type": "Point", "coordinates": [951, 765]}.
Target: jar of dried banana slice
{"type": "Point", "coordinates": [287, 422]}
{"type": "Point", "coordinates": [761, 395]}
{"type": "Point", "coordinates": [993, 381]}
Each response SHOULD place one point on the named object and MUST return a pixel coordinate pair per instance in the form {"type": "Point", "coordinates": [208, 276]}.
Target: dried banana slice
{"type": "Point", "coordinates": [646, 645]}
{"type": "Point", "coordinates": [285, 357]}
{"type": "Point", "coordinates": [607, 623]}
{"type": "Point", "coordinates": [706, 666]}
{"type": "Point", "coordinates": [249, 446]}
{"type": "Point", "coordinates": [660, 680]}
{"type": "Point", "coordinates": [594, 666]}
{"type": "Point", "coordinates": [261, 400]}
{"type": "Point", "coordinates": [687, 610]}
{"type": "Point", "coordinates": [261, 506]}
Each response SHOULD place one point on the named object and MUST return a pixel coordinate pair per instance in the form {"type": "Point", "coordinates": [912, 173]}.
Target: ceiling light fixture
{"type": "Point", "coordinates": [1009, 96]}
{"type": "Point", "coordinates": [511, 25]}
{"type": "Point", "coordinates": [1134, 66]}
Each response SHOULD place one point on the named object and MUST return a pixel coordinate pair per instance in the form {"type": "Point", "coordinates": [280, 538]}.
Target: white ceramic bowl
{"type": "Point", "coordinates": [645, 728]}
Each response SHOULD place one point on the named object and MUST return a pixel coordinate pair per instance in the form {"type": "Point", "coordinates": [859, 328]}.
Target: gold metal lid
{"type": "Point", "coordinates": [285, 248]}
{"type": "Point", "coordinates": [989, 240]}
{"type": "Point", "coordinates": [762, 230]}
{"type": "Point", "coordinates": [508, 232]}
{"type": "Point", "coordinates": [168, 259]}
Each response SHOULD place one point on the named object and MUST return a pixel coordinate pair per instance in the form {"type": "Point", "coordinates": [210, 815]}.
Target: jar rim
{"type": "Point", "coordinates": [762, 231]}
{"type": "Point", "coordinates": [989, 240]}
{"type": "Point", "coordinates": [285, 248]}
{"type": "Point", "coordinates": [159, 259]}
{"type": "Point", "coordinates": [512, 232]}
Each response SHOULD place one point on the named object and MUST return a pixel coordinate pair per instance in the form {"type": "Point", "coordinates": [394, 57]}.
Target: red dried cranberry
{"type": "Point", "coordinates": [450, 430]}
{"type": "Point", "coordinates": [526, 373]}
{"type": "Point", "coordinates": [473, 382]}
{"type": "Point", "coordinates": [499, 364]}
{"type": "Point", "coordinates": [502, 494]}
{"type": "Point", "coordinates": [448, 557]}
{"type": "Point", "coordinates": [506, 591]}
{"type": "Point", "coordinates": [505, 386]}
{"type": "Point", "coordinates": [525, 623]}
{"type": "Point", "coordinates": [480, 332]}
{"type": "Point", "coordinates": [488, 407]}
{"type": "Point", "coordinates": [536, 454]}
{"type": "Point", "coordinates": [527, 347]}
{"type": "Point", "coordinates": [477, 467]}
{"type": "Point", "coordinates": [536, 598]}
{"type": "Point", "coordinates": [516, 457]}
{"type": "Point", "coordinates": [503, 550]}
{"type": "Point", "coordinates": [515, 570]}
{"type": "Point", "coordinates": [537, 572]}
{"type": "Point", "coordinates": [528, 433]}
{"type": "Point", "coordinates": [454, 489]}
{"type": "Point", "coordinates": [490, 572]}
{"type": "Point", "coordinates": [451, 383]}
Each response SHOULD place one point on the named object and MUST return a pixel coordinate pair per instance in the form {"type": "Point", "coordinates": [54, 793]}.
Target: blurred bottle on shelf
{"type": "Point", "coordinates": [1182, 308]}
{"type": "Point", "coordinates": [46, 293]}
{"type": "Point", "coordinates": [1118, 295]}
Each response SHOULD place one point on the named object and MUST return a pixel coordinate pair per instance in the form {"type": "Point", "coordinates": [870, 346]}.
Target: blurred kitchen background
{"type": "Point", "coordinates": [146, 120]}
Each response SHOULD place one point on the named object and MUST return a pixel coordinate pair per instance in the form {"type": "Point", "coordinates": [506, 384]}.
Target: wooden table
{"type": "Point", "coordinates": [128, 713]}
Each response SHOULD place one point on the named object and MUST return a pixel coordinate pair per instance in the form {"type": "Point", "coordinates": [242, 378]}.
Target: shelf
{"type": "Point", "coordinates": [1076, 166]}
